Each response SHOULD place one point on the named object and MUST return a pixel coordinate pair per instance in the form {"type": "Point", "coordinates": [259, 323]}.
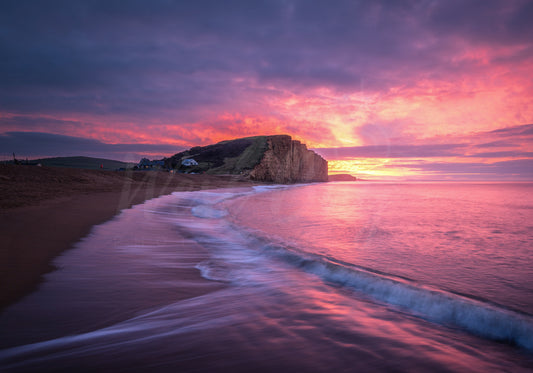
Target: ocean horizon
{"type": "Point", "coordinates": [342, 276]}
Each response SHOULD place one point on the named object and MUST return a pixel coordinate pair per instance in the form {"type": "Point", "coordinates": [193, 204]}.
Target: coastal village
{"type": "Point", "coordinates": [186, 166]}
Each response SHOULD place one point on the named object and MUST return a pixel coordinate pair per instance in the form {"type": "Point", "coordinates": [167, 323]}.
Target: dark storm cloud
{"type": "Point", "coordinates": [487, 21]}
{"type": "Point", "coordinates": [138, 56]}
{"type": "Point", "coordinates": [109, 57]}
{"type": "Point", "coordinates": [34, 144]}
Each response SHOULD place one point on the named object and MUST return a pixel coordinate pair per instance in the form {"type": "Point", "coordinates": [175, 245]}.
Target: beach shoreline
{"type": "Point", "coordinates": [46, 211]}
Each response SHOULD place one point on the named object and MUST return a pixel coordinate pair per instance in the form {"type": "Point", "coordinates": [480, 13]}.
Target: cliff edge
{"type": "Point", "coordinates": [289, 161]}
{"type": "Point", "coordinates": [277, 159]}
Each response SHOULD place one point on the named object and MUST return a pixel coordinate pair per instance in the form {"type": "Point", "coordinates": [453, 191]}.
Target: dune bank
{"type": "Point", "coordinates": [45, 211]}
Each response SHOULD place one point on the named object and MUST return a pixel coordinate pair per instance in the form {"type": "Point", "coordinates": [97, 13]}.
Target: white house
{"type": "Point", "coordinates": [189, 162]}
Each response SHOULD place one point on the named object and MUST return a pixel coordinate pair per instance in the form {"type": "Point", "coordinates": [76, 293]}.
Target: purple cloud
{"type": "Point", "coordinates": [503, 154]}
{"type": "Point", "coordinates": [392, 151]}
{"type": "Point", "coordinates": [520, 169]}
{"type": "Point", "coordinates": [36, 144]}
{"type": "Point", "coordinates": [452, 153]}
{"type": "Point", "coordinates": [522, 130]}
{"type": "Point", "coordinates": [189, 70]}
{"type": "Point", "coordinates": [498, 144]}
{"type": "Point", "coordinates": [144, 58]}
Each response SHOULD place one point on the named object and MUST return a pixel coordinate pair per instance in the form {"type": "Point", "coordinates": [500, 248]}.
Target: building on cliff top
{"type": "Point", "coordinates": [189, 162]}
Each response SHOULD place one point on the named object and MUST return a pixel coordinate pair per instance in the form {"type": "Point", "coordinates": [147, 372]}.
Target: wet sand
{"type": "Point", "coordinates": [45, 211]}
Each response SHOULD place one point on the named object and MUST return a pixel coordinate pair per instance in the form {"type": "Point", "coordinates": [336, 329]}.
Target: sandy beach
{"type": "Point", "coordinates": [307, 278]}
{"type": "Point", "coordinates": [45, 211]}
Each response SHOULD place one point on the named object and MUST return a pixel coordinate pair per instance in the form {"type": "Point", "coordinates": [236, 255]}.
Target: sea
{"type": "Point", "coordinates": [327, 277]}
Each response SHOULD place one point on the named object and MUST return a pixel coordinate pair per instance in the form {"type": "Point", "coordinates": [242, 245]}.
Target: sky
{"type": "Point", "coordinates": [423, 90]}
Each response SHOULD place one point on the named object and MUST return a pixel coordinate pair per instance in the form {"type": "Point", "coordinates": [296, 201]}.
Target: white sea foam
{"type": "Point", "coordinates": [228, 243]}
{"type": "Point", "coordinates": [205, 201]}
{"type": "Point", "coordinates": [475, 316]}
{"type": "Point", "coordinates": [208, 212]}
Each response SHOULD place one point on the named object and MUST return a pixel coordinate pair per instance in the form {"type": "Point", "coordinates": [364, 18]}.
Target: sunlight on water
{"type": "Point", "coordinates": [474, 239]}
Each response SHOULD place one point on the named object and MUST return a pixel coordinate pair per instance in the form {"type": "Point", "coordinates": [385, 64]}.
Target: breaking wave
{"type": "Point", "coordinates": [475, 316]}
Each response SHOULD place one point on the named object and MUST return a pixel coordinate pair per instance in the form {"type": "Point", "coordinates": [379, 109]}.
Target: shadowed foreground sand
{"type": "Point", "coordinates": [45, 210]}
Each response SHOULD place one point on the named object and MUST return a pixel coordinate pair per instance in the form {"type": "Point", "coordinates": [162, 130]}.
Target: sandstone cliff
{"type": "Point", "coordinates": [289, 161]}
{"type": "Point", "coordinates": [277, 159]}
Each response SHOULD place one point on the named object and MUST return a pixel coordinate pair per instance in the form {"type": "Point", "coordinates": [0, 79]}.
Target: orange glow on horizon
{"type": "Point", "coordinates": [402, 168]}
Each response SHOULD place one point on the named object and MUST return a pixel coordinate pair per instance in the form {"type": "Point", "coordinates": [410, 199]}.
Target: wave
{"type": "Point", "coordinates": [475, 316]}
{"type": "Point", "coordinates": [203, 202]}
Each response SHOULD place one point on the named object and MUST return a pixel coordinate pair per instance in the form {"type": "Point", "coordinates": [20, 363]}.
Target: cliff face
{"type": "Point", "coordinates": [277, 159]}
{"type": "Point", "coordinates": [289, 161]}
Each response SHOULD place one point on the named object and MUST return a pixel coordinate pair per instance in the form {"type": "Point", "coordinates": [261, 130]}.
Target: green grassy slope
{"type": "Point", "coordinates": [226, 157]}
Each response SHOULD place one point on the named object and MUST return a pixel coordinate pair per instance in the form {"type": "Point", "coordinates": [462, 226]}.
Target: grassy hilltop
{"type": "Point", "coordinates": [226, 157]}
